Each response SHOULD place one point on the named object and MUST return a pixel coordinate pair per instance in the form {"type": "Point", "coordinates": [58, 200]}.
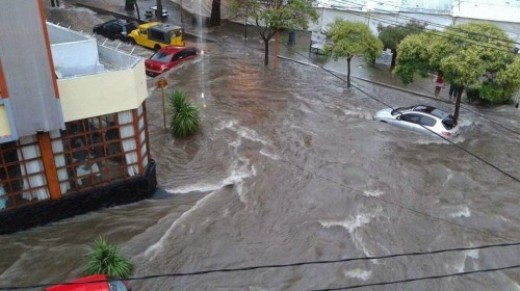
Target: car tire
{"type": "Point", "coordinates": [156, 47]}
{"type": "Point", "coordinates": [131, 41]}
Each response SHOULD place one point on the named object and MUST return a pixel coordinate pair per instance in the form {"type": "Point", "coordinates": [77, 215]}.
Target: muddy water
{"type": "Point", "coordinates": [289, 167]}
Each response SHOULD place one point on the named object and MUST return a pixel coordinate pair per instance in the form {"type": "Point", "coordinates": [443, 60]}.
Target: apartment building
{"type": "Point", "coordinates": [73, 130]}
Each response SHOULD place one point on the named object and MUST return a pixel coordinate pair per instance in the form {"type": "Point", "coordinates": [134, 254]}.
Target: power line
{"type": "Point", "coordinates": [385, 283]}
{"type": "Point", "coordinates": [447, 140]}
{"type": "Point", "coordinates": [454, 28]}
{"type": "Point", "coordinates": [488, 233]}
{"type": "Point", "coordinates": [271, 266]}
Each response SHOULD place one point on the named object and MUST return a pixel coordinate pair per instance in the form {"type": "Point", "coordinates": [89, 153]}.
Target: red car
{"type": "Point", "coordinates": [92, 283]}
{"type": "Point", "coordinates": [167, 58]}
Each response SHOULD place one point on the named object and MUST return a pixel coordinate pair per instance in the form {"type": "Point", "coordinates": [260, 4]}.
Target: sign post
{"type": "Point", "coordinates": [160, 84]}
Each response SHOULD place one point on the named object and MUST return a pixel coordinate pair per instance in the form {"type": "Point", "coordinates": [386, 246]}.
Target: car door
{"type": "Point", "coordinates": [411, 121]}
{"type": "Point", "coordinates": [113, 30]}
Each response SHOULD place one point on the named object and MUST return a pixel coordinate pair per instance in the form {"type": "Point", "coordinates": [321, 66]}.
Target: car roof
{"type": "Point", "coordinates": [83, 284]}
{"type": "Point", "coordinates": [171, 49]}
{"type": "Point", "coordinates": [149, 24]}
{"type": "Point", "coordinates": [166, 27]}
{"type": "Point", "coordinates": [431, 110]}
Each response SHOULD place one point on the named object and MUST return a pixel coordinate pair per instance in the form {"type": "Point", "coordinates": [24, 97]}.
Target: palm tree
{"type": "Point", "coordinates": [185, 119]}
{"type": "Point", "coordinates": [105, 258]}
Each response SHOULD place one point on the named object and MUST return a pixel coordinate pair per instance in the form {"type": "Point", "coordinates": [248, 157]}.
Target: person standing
{"type": "Point", "coordinates": [439, 83]}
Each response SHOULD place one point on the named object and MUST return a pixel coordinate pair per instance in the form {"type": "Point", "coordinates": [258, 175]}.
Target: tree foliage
{"type": "Point", "coordinates": [105, 258]}
{"type": "Point", "coordinates": [185, 119]}
{"type": "Point", "coordinates": [476, 55]}
{"type": "Point", "coordinates": [349, 39]}
{"type": "Point", "coordinates": [273, 15]}
{"type": "Point", "coordinates": [392, 35]}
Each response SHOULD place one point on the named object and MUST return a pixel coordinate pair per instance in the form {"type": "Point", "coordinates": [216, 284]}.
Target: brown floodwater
{"type": "Point", "coordinates": [289, 166]}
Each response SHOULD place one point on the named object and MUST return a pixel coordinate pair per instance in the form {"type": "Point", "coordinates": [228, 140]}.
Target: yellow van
{"type": "Point", "coordinates": [156, 35]}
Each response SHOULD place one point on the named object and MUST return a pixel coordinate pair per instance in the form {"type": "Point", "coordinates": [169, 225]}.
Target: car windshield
{"type": "Point", "coordinates": [161, 57]}
{"type": "Point", "coordinates": [449, 122]}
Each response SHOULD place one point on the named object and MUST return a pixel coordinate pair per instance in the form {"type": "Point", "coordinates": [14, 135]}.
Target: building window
{"type": "Point", "coordinates": [88, 153]}
{"type": "Point", "coordinates": [22, 177]}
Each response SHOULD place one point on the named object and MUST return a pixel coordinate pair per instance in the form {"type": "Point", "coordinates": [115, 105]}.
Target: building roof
{"type": "Point", "coordinates": [76, 54]}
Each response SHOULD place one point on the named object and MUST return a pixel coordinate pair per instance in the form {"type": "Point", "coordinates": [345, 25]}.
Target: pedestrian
{"type": "Point", "coordinates": [439, 83]}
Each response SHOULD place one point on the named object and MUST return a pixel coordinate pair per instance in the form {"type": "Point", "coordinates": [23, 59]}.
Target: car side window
{"type": "Point", "coordinates": [411, 117]}
{"type": "Point", "coordinates": [190, 53]}
{"type": "Point", "coordinates": [177, 56]}
{"type": "Point", "coordinates": [427, 121]}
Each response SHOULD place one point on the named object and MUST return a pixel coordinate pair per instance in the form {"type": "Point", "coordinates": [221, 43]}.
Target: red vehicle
{"type": "Point", "coordinates": [92, 283]}
{"type": "Point", "coordinates": [167, 58]}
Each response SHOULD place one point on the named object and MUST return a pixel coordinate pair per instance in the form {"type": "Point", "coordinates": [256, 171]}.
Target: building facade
{"type": "Point", "coordinates": [73, 130]}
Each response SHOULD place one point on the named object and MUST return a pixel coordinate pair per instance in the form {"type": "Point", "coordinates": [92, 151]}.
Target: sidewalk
{"type": "Point", "coordinates": [298, 53]}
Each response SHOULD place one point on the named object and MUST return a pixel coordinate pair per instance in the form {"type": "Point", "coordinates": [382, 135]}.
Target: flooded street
{"type": "Point", "coordinates": [291, 167]}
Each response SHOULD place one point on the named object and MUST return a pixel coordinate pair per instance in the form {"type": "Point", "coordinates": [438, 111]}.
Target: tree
{"type": "Point", "coordinates": [273, 15]}
{"type": "Point", "coordinates": [214, 19]}
{"type": "Point", "coordinates": [159, 11]}
{"type": "Point", "coordinates": [349, 39]}
{"type": "Point", "coordinates": [131, 5]}
{"type": "Point", "coordinates": [105, 258]}
{"type": "Point", "coordinates": [185, 119]}
{"type": "Point", "coordinates": [477, 56]}
{"type": "Point", "coordinates": [392, 35]}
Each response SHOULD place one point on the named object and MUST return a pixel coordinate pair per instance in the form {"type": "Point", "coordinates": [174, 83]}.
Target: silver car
{"type": "Point", "coordinates": [420, 118]}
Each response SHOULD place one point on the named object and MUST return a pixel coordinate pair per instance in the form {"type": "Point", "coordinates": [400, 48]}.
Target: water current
{"type": "Point", "coordinates": [290, 167]}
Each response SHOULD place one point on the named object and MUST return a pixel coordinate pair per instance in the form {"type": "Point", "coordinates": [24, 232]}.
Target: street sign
{"type": "Point", "coordinates": [161, 83]}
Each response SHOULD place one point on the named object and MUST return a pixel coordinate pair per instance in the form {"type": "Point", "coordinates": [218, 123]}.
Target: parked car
{"type": "Point", "coordinates": [153, 10]}
{"type": "Point", "coordinates": [420, 118]}
{"type": "Point", "coordinates": [156, 35]}
{"type": "Point", "coordinates": [87, 284]}
{"type": "Point", "coordinates": [115, 29]}
{"type": "Point", "coordinates": [167, 58]}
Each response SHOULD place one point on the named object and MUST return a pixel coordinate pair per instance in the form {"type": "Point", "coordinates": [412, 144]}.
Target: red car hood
{"type": "Point", "coordinates": [155, 66]}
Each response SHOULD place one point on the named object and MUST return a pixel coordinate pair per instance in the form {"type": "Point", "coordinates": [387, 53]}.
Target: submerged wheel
{"type": "Point", "coordinates": [156, 47]}
{"type": "Point", "coordinates": [131, 41]}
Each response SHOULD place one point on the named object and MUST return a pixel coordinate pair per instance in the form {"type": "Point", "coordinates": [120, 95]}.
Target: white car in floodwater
{"type": "Point", "coordinates": [420, 118]}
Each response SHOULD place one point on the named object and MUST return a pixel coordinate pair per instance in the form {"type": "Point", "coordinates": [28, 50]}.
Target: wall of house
{"type": "Point", "coordinates": [135, 189]}
{"type": "Point", "coordinates": [96, 95]}
{"type": "Point", "coordinates": [77, 58]}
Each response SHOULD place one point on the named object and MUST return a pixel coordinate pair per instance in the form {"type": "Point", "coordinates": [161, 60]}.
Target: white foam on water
{"type": "Point", "coordinates": [152, 250]}
{"type": "Point", "coordinates": [448, 177]}
{"type": "Point", "coordinates": [474, 254]}
{"type": "Point", "coordinates": [358, 274]}
{"type": "Point", "coordinates": [234, 178]}
{"type": "Point", "coordinates": [373, 193]}
{"type": "Point", "coordinates": [459, 211]}
{"type": "Point", "coordinates": [353, 222]}
{"type": "Point", "coordinates": [225, 124]}
{"type": "Point", "coordinates": [359, 113]}
{"type": "Point", "coordinates": [272, 156]}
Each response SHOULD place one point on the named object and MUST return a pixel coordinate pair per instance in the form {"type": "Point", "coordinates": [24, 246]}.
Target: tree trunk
{"type": "Point", "coordinates": [348, 71]}
{"type": "Point", "coordinates": [137, 10]}
{"type": "Point", "coordinates": [129, 5]}
{"type": "Point", "coordinates": [457, 105]}
{"type": "Point", "coordinates": [266, 54]}
{"type": "Point", "coordinates": [394, 58]}
{"type": "Point", "coordinates": [276, 46]}
{"type": "Point", "coordinates": [158, 12]}
{"type": "Point", "coordinates": [215, 13]}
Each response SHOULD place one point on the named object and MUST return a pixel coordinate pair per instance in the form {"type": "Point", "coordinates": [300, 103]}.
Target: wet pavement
{"type": "Point", "coordinates": [290, 167]}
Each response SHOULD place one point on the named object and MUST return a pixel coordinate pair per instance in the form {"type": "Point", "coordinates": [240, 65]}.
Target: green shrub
{"type": "Point", "coordinates": [185, 118]}
{"type": "Point", "coordinates": [105, 258]}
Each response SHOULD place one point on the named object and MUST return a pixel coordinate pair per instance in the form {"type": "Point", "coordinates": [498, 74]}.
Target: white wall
{"type": "Point", "coordinates": [77, 58]}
